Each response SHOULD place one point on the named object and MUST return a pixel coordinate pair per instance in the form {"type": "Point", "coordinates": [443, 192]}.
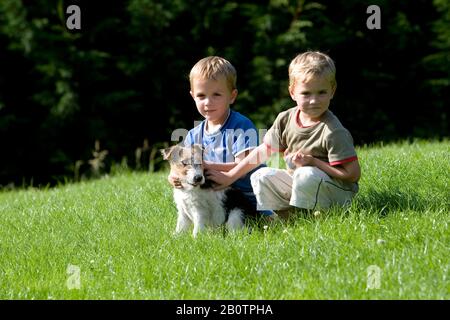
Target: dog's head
{"type": "Point", "coordinates": [187, 164]}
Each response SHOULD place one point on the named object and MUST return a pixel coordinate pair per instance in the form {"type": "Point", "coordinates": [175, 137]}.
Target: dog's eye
{"type": "Point", "coordinates": [184, 162]}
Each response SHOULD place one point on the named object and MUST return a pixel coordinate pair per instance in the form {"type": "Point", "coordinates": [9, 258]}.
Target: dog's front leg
{"type": "Point", "coordinates": [199, 222]}
{"type": "Point", "coordinates": [183, 222]}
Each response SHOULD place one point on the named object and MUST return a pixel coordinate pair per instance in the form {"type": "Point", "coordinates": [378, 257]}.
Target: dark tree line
{"type": "Point", "coordinates": [122, 79]}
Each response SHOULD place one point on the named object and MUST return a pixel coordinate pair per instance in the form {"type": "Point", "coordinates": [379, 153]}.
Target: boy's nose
{"type": "Point", "coordinates": [313, 99]}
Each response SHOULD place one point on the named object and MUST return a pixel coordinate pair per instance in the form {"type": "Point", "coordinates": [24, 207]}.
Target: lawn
{"type": "Point", "coordinates": [112, 238]}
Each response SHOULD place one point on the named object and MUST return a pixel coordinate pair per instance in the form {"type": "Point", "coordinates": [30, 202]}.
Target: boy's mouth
{"type": "Point", "coordinates": [313, 109]}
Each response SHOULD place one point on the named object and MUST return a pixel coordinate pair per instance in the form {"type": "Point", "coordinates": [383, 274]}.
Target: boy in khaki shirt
{"type": "Point", "coordinates": [324, 168]}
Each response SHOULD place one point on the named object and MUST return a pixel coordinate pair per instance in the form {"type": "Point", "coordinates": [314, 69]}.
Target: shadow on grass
{"type": "Point", "coordinates": [384, 202]}
{"type": "Point", "coordinates": [369, 202]}
{"type": "Point", "coordinates": [372, 202]}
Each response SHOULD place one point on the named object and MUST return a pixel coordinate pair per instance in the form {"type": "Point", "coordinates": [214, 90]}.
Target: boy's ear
{"type": "Point", "coordinates": [192, 94]}
{"type": "Point", "coordinates": [233, 97]}
{"type": "Point", "coordinates": [291, 91]}
{"type": "Point", "coordinates": [333, 91]}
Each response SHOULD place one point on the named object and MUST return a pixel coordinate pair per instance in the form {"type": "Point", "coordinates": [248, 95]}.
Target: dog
{"type": "Point", "coordinates": [197, 202]}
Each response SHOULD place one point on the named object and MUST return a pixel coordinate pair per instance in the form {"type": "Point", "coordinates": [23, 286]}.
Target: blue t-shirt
{"type": "Point", "coordinates": [238, 134]}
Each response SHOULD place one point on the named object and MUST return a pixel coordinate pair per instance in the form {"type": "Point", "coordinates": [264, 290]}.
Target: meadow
{"type": "Point", "coordinates": [112, 238]}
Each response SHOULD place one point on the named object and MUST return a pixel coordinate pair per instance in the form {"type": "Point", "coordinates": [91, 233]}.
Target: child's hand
{"type": "Point", "coordinates": [288, 160]}
{"type": "Point", "coordinates": [221, 179]}
{"type": "Point", "coordinates": [174, 181]}
{"type": "Point", "coordinates": [302, 160]}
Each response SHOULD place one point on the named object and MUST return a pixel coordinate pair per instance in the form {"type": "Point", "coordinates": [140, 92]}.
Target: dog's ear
{"type": "Point", "coordinates": [173, 153]}
{"type": "Point", "coordinates": [167, 152]}
{"type": "Point", "coordinates": [198, 148]}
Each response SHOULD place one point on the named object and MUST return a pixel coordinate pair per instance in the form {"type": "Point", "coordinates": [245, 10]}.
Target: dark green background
{"type": "Point", "coordinates": [123, 77]}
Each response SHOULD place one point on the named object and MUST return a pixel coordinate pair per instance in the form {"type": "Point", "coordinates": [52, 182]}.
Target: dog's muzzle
{"type": "Point", "coordinates": [197, 180]}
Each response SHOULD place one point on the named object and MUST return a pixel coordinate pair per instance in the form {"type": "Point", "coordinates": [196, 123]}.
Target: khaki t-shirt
{"type": "Point", "coordinates": [328, 140]}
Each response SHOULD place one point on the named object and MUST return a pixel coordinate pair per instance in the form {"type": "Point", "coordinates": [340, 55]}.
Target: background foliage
{"type": "Point", "coordinates": [122, 79]}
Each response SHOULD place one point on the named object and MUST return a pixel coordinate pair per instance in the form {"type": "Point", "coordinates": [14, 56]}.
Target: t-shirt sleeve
{"type": "Point", "coordinates": [340, 147]}
{"type": "Point", "coordinates": [194, 136]}
{"type": "Point", "coordinates": [188, 140]}
{"type": "Point", "coordinates": [246, 137]}
{"type": "Point", "coordinates": [274, 138]}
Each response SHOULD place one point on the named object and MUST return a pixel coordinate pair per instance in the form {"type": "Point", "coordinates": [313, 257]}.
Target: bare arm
{"type": "Point", "coordinates": [219, 166]}
{"type": "Point", "coordinates": [349, 171]}
{"type": "Point", "coordinates": [228, 165]}
{"type": "Point", "coordinates": [250, 162]}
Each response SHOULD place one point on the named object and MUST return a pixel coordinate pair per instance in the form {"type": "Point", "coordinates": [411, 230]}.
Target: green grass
{"type": "Point", "coordinates": [119, 232]}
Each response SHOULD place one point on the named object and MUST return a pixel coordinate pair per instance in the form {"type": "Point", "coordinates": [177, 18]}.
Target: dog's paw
{"type": "Point", "coordinates": [176, 233]}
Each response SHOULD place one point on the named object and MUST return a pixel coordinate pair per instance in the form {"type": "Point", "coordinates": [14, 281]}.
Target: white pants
{"type": "Point", "coordinates": [307, 187]}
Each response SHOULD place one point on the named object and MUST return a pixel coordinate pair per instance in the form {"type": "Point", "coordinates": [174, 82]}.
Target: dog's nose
{"type": "Point", "coordinates": [198, 178]}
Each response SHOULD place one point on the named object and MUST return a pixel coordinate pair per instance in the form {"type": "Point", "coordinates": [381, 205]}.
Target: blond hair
{"type": "Point", "coordinates": [214, 67]}
{"type": "Point", "coordinates": [309, 64]}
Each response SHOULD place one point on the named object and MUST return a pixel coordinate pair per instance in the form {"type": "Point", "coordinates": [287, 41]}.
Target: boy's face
{"type": "Point", "coordinates": [313, 96]}
{"type": "Point", "coordinates": [212, 98]}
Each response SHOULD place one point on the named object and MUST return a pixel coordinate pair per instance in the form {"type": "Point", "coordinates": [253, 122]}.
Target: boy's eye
{"type": "Point", "coordinates": [217, 94]}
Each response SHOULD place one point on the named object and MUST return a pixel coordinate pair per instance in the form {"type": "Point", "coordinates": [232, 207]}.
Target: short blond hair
{"type": "Point", "coordinates": [213, 67]}
{"type": "Point", "coordinates": [310, 64]}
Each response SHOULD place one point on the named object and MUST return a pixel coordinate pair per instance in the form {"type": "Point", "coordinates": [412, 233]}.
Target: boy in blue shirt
{"type": "Point", "coordinates": [226, 135]}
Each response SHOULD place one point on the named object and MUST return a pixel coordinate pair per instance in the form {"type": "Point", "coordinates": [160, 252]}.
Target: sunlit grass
{"type": "Point", "coordinates": [119, 232]}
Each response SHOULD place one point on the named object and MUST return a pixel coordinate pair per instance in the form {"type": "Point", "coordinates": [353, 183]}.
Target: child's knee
{"type": "Point", "coordinates": [260, 176]}
{"type": "Point", "coordinates": [304, 176]}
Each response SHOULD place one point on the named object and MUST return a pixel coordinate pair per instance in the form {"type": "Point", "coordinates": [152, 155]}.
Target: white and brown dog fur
{"type": "Point", "coordinates": [197, 202]}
